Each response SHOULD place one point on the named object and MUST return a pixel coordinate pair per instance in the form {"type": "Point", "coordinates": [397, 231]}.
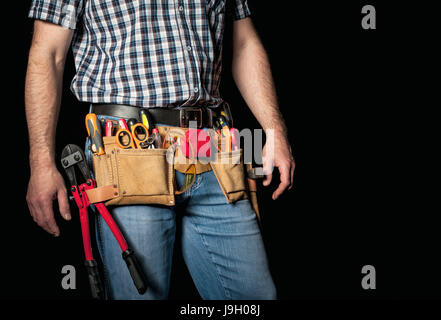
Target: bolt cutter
{"type": "Point", "coordinates": [72, 156]}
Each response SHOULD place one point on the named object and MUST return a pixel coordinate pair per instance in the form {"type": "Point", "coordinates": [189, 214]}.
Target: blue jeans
{"type": "Point", "coordinates": [221, 245]}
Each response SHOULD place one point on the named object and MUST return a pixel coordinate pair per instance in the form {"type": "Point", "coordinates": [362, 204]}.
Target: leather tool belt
{"type": "Point", "coordinates": [173, 117]}
{"type": "Point", "coordinates": [147, 176]}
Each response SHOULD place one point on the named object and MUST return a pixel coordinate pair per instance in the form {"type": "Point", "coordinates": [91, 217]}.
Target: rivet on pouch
{"type": "Point", "coordinates": [115, 186]}
{"type": "Point", "coordinates": [115, 194]}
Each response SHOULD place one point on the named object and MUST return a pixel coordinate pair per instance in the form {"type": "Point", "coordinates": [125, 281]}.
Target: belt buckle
{"type": "Point", "coordinates": [185, 116]}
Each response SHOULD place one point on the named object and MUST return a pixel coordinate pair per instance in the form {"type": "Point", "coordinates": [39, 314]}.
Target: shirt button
{"type": "Point", "coordinates": [188, 48]}
{"type": "Point", "coordinates": [195, 89]}
{"type": "Point", "coordinates": [181, 8]}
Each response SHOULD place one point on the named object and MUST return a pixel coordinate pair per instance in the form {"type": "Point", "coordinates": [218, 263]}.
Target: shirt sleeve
{"type": "Point", "coordinates": [241, 10]}
{"type": "Point", "coordinates": [65, 13]}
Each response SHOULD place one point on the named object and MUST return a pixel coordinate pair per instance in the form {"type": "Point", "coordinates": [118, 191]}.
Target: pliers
{"type": "Point", "coordinates": [72, 156]}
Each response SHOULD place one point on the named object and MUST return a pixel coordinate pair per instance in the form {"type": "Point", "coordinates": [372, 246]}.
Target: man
{"type": "Point", "coordinates": [157, 53]}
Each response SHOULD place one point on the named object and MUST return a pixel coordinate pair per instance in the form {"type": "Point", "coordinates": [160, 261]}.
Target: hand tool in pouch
{"type": "Point", "coordinates": [73, 157]}
{"type": "Point", "coordinates": [222, 125]}
{"type": "Point", "coordinates": [235, 139]}
{"type": "Point", "coordinates": [157, 139]}
{"type": "Point", "coordinates": [94, 132]}
{"type": "Point", "coordinates": [254, 174]}
{"type": "Point", "coordinates": [109, 128]}
{"type": "Point", "coordinates": [131, 136]}
{"type": "Point", "coordinates": [146, 119]}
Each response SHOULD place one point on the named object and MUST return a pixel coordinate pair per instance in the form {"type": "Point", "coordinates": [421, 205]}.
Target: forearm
{"type": "Point", "coordinates": [42, 102]}
{"type": "Point", "coordinates": [253, 77]}
{"type": "Point", "coordinates": [252, 74]}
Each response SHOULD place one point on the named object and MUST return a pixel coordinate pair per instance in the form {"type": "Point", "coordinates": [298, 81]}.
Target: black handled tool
{"type": "Point", "coordinates": [146, 119]}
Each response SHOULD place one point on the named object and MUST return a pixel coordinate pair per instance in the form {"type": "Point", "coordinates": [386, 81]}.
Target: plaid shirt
{"type": "Point", "coordinates": [144, 52]}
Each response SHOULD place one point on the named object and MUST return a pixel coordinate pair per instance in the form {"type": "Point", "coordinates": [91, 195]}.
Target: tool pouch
{"type": "Point", "coordinates": [229, 170]}
{"type": "Point", "coordinates": [146, 176]}
{"type": "Point", "coordinates": [132, 176]}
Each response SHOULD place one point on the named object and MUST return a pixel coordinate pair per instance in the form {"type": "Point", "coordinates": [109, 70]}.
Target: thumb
{"type": "Point", "coordinates": [63, 204]}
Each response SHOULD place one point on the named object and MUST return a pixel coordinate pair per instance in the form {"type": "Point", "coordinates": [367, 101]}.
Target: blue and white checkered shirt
{"type": "Point", "coordinates": [146, 53]}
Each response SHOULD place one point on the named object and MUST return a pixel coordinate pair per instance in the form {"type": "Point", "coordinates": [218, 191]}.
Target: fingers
{"type": "Point", "coordinates": [285, 180]}
{"type": "Point", "coordinates": [42, 213]}
{"type": "Point", "coordinates": [63, 204]}
{"type": "Point", "coordinates": [268, 166]}
{"type": "Point", "coordinates": [267, 180]}
{"type": "Point", "coordinates": [286, 170]}
{"type": "Point", "coordinates": [46, 185]}
{"type": "Point", "coordinates": [48, 219]}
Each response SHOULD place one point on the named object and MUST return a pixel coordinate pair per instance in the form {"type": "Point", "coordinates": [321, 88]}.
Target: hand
{"type": "Point", "coordinates": [277, 153]}
{"type": "Point", "coordinates": [45, 185]}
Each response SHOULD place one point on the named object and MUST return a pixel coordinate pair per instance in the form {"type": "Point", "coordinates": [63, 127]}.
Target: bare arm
{"type": "Point", "coordinates": [43, 88]}
{"type": "Point", "coordinates": [252, 74]}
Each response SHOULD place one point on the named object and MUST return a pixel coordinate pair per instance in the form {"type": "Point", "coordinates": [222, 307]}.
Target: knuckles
{"type": "Point", "coordinates": [38, 199]}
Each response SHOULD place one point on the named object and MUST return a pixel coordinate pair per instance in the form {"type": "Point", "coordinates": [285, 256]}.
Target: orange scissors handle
{"type": "Point", "coordinates": [124, 139]}
{"type": "Point", "coordinates": [140, 133]}
{"type": "Point", "coordinates": [132, 140]}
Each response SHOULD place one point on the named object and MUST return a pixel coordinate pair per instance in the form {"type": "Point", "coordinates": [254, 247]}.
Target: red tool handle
{"type": "Point", "coordinates": [235, 142]}
{"type": "Point", "coordinates": [112, 225]}
{"type": "Point", "coordinates": [128, 255]}
{"type": "Point", "coordinates": [82, 204]}
{"type": "Point", "coordinates": [135, 270]}
{"type": "Point", "coordinates": [109, 128]}
{"type": "Point", "coordinates": [84, 220]}
{"type": "Point", "coordinates": [106, 216]}
{"type": "Point", "coordinates": [123, 124]}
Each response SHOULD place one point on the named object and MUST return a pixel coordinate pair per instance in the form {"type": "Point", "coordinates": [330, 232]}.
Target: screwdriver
{"type": "Point", "coordinates": [225, 131]}
{"type": "Point", "coordinates": [131, 122]}
{"type": "Point", "coordinates": [109, 128]}
{"type": "Point", "coordinates": [234, 133]}
{"type": "Point", "coordinates": [146, 119]}
{"type": "Point", "coordinates": [94, 131]}
{"type": "Point", "coordinates": [123, 124]}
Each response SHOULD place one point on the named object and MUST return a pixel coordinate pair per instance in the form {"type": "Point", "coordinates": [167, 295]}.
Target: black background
{"type": "Point", "coordinates": [356, 103]}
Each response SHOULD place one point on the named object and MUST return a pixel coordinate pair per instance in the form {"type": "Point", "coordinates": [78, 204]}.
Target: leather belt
{"type": "Point", "coordinates": [116, 110]}
{"type": "Point", "coordinates": [174, 117]}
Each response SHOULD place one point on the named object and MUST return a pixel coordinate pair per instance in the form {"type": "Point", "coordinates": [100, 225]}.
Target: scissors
{"type": "Point", "coordinates": [133, 137]}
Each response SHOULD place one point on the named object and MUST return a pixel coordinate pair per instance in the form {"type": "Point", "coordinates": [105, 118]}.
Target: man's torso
{"type": "Point", "coordinates": [145, 52]}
